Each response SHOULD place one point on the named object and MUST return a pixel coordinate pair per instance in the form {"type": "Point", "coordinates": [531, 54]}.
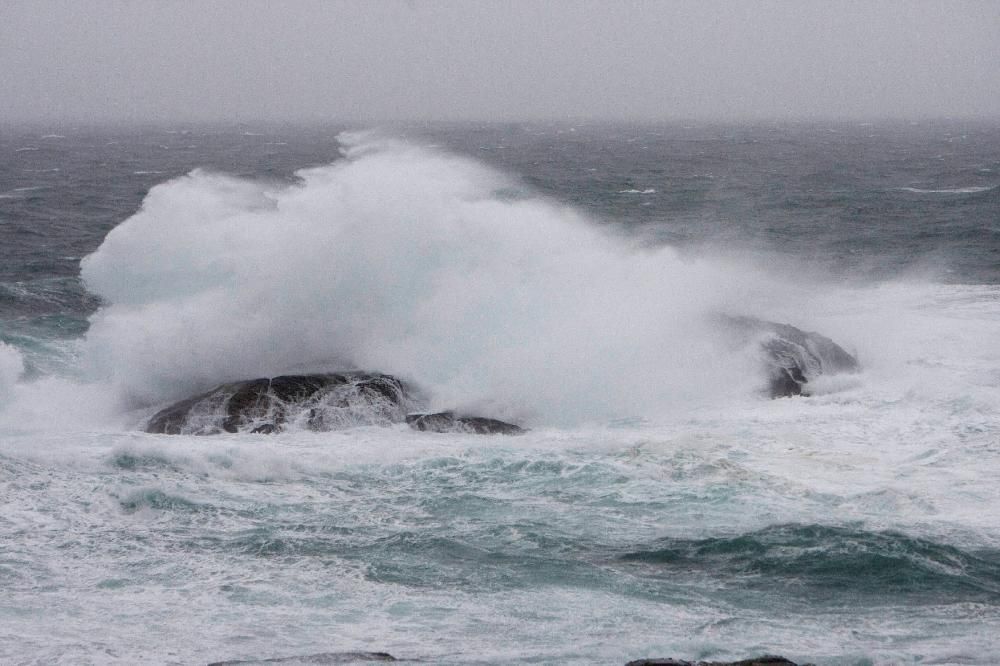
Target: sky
{"type": "Point", "coordinates": [343, 60]}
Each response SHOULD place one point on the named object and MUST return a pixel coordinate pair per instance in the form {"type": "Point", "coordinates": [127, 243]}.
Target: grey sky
{"type": "Point", "coordinates": [308, 60]}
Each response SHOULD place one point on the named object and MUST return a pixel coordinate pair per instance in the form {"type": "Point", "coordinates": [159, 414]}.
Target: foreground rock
{"type": "Point", "coordinates": [266, 405]}
{"type": "Point", "coordinates": [318, 402]}
{"type": "Point", "coordinates": [450, 422]}
{"type": "Point", "coordinates": [768, 660]}
{"type": "Point", "coordinates": [321, 658]}
{"type": "Point", "coordinates": [792, 356]}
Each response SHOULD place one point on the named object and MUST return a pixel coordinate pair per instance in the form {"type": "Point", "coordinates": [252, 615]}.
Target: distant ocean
{"type": "Point", "coordinates": [564, 277]}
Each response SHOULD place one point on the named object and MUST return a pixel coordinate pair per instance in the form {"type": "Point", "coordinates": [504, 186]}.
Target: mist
{"type": "Point", "coordinates": [372, 62]}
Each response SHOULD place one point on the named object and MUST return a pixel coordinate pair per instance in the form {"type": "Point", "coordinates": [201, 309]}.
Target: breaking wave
{"type": "Point", "coordinates": [404, 259]}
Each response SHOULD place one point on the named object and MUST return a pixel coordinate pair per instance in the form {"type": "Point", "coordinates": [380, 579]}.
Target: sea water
{"type": "Point", "coordinates": [563, 277]}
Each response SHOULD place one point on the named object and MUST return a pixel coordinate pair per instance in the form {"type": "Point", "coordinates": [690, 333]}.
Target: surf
{"type": "Point", "coordinates": [406, 259]}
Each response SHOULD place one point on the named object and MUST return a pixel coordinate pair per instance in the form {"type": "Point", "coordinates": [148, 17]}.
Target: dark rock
{"type": "Point", "coordinates": [171, 421]}
{"type": "Point", "coordinates": [792, 356]}
{"type": "Point", "coordinates": [767, 660]}
{"type": "Point", "coordinates": [388, 387]}
{"type": "Point", "coordinates": [318, 402]}
{"type": "Point", "coordinates": [450, 422]}
{"type": "Point", "coordinates": [265, 429]}
{"type": "Point", "coordinates": [321, 658]}
{"type": "Point", "coordinates": [265, 405]}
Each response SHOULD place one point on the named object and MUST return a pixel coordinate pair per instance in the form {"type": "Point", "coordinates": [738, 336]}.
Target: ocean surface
{"type": "Point", "coordinates": [563, 277]}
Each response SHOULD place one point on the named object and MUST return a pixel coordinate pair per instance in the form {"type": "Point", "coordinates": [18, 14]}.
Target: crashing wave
{"type": "Point", "coordinates": [420, 262]}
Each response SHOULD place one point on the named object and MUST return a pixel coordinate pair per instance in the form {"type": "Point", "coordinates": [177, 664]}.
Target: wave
{"type": "Point", "coordinates": [422, 264]}
{"type": "Point", "coordinates": [836, 559]}
{"type": "Point", "coordinates": [954, 190]}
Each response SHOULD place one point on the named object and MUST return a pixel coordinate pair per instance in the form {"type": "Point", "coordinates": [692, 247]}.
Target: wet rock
{"type": "Point", "coordinates": [265, 429]}
{"type": "Point", "coordinates": [173, 419]}
{"type": "Point", "coordinates": [316, 402]}
{"type": "Point", "coordinates": [450, 422]}
{"type": "Point", "coordinates": [767, 660]}
{"type": "Point", "coordinates": [792, 357]}
{"type": "Point", "coordinates": [321, 658]}
{"type": "Point", "coordinates": [266, 405]}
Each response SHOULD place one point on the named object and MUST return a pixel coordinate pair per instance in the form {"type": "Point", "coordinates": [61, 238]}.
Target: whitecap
{"type": "Point", "coordinates": [954, 190]}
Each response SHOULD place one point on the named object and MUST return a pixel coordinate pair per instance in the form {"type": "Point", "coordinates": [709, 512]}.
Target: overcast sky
{"type": "Point", "coordinates": [382, 60]}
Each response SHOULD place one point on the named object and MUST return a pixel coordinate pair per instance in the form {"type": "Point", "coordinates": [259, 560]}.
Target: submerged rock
{"type": "Point", "coordinates": [767, 660]}
{"type": "Point", "coordinates": [450, 422]}
{"type": "Point", "coordinates": [792, 356]}
{"type": "Point", "coordinates": [321, 658]}
{"type": "Point", "coordinates": [266, 405]}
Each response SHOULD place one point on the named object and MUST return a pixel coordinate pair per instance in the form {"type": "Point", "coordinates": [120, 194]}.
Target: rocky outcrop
{"type": "Point", "coordinates": [792, 357]}
{"type": "Point", "coordinates": [266, 405]}
{"type": "Point", "coordinates": [450, 422]}
{"type": "Point", "coordinates": [767, 660]}
{"type": "Point", "coordinates": [314, 402]}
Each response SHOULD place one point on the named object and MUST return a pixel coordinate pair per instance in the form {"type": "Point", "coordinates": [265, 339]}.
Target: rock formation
{"type": "Point", "coordinates": [450, 422]}
{"type": "Point", "coordinates": [792, 357]}
{"type": "Point", "coordinates": [313, 402]}
{"type": "Point", "coordinates": [266, 405]}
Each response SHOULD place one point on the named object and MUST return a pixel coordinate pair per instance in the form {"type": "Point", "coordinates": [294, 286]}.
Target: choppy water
{"type": "Point", "coordinates": [554, 275]}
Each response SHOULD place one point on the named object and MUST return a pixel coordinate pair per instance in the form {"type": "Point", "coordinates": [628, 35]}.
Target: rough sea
{"type": "Point", "coordinates": [560, 276]}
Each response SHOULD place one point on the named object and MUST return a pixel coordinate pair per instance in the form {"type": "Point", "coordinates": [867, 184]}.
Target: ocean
{"type": "Point", "coordinates": [566, 277]}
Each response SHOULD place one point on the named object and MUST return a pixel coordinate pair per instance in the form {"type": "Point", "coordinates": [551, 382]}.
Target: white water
{"type": "Point", "coordinates": [910, 445]}
{"type": "Point", "coordinates": [422, 264]}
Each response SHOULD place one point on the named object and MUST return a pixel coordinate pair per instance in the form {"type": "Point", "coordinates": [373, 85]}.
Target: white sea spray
{"type": "Point", "coordinates": [416, 262]}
